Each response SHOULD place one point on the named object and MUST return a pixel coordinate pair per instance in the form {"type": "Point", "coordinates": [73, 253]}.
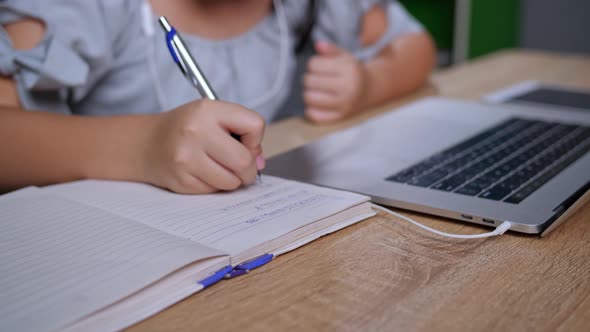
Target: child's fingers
{"type": "Point", "coordinates": [215, 175]}
{"type": "Point", "coordinates": [312, 81]}
{"type": "Point", "coordinates": [322, 115]}
{"type": "Point", "coordinates": [320, 99]}
{"type": "Point", "coordinates": [328, 49]}
{"type": "Point", "coordinates": [324, 65]}
{"type": "Point", "coordinates": [190, 184]}
{"type": "Point", "coordinates": [234, 156]}
{"type": "Point", "coordinates": [246, 124]}
{"type": "Point", "coordinates": [256, 151]}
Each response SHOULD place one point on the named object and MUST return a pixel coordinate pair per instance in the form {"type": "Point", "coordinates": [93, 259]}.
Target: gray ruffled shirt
{"type": "Point", "coordinates": [109, 57]}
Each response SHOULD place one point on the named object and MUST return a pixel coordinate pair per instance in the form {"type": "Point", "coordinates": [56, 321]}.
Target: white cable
{"type": "Point", "coordinates": [501, 229]}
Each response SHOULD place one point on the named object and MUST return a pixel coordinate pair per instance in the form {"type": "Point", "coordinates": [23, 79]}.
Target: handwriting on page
{"type": "Point", "coordinates": [284, 209]}
{"type": "Point", "coordinates": [249, 215]}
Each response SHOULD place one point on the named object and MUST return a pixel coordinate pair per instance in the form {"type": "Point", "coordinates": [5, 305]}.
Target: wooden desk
{"type": "Point", "coordinates": [383, 274]}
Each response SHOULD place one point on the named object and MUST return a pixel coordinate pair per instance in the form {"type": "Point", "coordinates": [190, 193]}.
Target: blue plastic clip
{"type": "Point", "coordinates": [255, 263]}
{"type": "Point", "coordinates": [215, 277]}
{"type": "Point", "coordinates": [235, 273]}
{"type": "Point", "coordinates": [169, 36]}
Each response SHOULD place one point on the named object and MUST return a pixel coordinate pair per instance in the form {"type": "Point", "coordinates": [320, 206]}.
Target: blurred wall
{"type": "Point", "coordinates": [556, 25]}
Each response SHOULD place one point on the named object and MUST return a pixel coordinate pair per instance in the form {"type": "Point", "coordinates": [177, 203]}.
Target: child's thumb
{"type": "Point", "coordinates": [327, 48]}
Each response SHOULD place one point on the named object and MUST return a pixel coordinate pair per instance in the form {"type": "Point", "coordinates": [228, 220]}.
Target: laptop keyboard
{"type": "Point", "coordinates": [505, 163]}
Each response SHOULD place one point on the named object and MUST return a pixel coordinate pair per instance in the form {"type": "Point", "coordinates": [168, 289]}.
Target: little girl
{"type": "Point", "coordinates": [67, 60]}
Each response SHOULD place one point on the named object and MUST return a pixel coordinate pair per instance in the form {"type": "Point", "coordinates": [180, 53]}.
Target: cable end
{"type": "Point", "coordinates": [503, 228]}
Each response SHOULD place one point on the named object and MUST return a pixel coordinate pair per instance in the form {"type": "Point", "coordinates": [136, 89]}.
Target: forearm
{"type": "Point", "coordinates": [399, 69]}
{"type": "Point", "coordinates": [39, 148]}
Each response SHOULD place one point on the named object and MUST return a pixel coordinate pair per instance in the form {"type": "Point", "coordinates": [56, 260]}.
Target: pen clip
{"type": "Point", "coordinates": [170, 42]}
{"type": "Point", "coordinates": [174, 51]}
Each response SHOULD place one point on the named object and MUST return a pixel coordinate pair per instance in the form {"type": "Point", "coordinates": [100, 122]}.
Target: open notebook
{"type": "Point", "coordinates": [101, 255]}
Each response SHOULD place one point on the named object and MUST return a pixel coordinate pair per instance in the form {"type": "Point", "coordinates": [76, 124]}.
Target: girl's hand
{"type": "Point", "coordinates": [190, 149]}
{"type": "Point", "coordinates": [335, 85]}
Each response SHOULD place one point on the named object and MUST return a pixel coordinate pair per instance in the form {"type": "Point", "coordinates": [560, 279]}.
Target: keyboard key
{"type": "Point", "coordinates": [468, 190]}
{"type": "Point", "coordinates": [428, 179]}
{"type": "Point", "coordinates": [470, 172]}
{"type": "Point", "coordinates": [481, 183]}
{"type": "Point", "coordinates": [512, 183]}
{"type": "Point", "coordinates": [489, 178]}
{"type": "Point", "coordinates": [499, 172]}
{"type": "Point", "coordinates": [518, 197]}
{"type": "Point", "coordinates": [459, 163]}
{"type": "Point", "coordinates": [405, 175]}
{"type": "Point", "coordinates": [400, 177]}
{"type": "Point", "coordinates": [450, 184]}
{"type": "Point", "coordinates": [478, 167]}
{"type": "Point", "coordinates": [496, 193]}
{"type": "Point", "coordinates": [516, 180]}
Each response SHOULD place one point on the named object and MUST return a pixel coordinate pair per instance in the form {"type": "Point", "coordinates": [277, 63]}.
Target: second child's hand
{"type": "Point", "coordinates": [335, 84]}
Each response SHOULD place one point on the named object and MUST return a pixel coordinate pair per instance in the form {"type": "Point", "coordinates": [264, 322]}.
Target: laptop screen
{"type": "Point", "coordinates": [557, 97]}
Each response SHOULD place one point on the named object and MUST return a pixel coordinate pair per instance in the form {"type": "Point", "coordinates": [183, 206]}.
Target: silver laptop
{"type": "Point", "coordinates": [484, 164]}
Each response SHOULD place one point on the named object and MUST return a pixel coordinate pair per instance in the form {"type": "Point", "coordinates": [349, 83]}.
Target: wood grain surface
{"type": "Point", "coordinates": [386, 275]}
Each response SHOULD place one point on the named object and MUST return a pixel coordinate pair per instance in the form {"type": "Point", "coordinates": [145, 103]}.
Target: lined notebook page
{"type": "Point", "coordinates": [231, 222]}
{"type": "Point", "coordinates": [61, 260]}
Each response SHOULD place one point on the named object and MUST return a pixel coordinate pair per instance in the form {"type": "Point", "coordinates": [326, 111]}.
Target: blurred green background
{"type": "Point", "coordinates": [465, 29]}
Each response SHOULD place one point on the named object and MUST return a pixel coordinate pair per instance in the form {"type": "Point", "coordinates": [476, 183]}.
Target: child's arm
{"type": "Point", "coordinates": [187, 150]}
{"type": "Point", "coordinates": [337, 84]}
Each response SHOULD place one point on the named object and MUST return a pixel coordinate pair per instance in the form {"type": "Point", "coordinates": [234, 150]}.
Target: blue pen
{"type": "Point", "coordinates": [187, 64]}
